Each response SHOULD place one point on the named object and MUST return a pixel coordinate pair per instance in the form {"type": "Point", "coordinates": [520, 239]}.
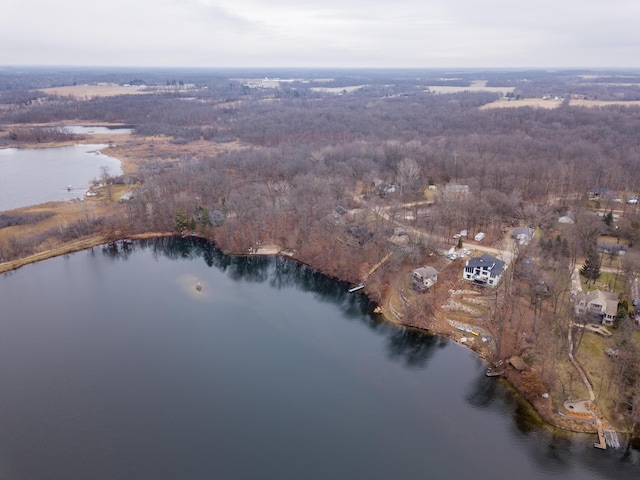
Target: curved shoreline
{"type": "Point", "coordinates": [74, 247]}
{"type": "Point", "coordinates": [543, 415]}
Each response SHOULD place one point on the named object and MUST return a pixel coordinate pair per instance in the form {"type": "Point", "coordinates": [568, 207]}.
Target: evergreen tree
{"type": "Point", "coordinates": [180, 220]}
{"type": "Point", "coordinates": [205, 220]}
{"type": "Point", "coordinates": [591, 268]}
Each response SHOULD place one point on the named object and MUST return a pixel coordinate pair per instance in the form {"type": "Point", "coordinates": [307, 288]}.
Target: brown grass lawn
{"type": "Point", "coordinates": [597, 364]}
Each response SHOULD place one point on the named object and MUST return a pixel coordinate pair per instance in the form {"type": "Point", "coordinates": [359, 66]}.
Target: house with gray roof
{"type": "Point", "coordinates": [484, 270]}
{"type": "Point", "coordinates": [424, 278]}
{"type": "Point", "coordinates": [523, 235]}
{"type": "Point", "coordinates": [603, 306]}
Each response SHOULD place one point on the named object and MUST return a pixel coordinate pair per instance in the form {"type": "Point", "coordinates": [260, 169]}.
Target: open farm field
{"type": "Point", "coordinates": [91, 91]}
{"type": "Point", "coordinates": [476, 86]}
{"type": "Point", "coordinates": [601, 103]}
{"type": "Point", "coordinates": [525, 102]}
{"type": "Point", "coordinates": [543, 103]}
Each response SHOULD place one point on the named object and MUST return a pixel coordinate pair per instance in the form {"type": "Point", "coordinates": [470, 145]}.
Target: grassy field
{"type": "Point", "coordinates": [476, 86]}
{"type": "Point", "coordinates": [90, 91]}
{"type": "Point", "coordinates": [552, 103]}
{"type": "Point", "coordinates": [605, 280]}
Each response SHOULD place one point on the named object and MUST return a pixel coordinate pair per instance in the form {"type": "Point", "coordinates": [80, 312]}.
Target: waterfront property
{"type": "Point", "coordinates": [484, 270]}
{"type": "Point", "coordinates": [269, 357]}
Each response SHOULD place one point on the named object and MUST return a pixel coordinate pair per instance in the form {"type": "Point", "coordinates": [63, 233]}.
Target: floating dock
{"type": "Point", "coordinates": [355, 289]}
{"type": "Point", "coordinates": [611, 438]}
{"type": "Point", "coordinates": [607, 438]}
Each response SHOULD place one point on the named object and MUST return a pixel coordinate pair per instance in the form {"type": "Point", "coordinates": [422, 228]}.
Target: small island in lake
{"type": "Point", "coordinates": [482, 213]}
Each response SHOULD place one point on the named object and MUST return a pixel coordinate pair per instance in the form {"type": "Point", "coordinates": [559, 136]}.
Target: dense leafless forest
{"type": "Point", "coordinates": [308, 160]}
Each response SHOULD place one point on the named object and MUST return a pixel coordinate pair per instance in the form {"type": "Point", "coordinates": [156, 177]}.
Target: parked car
{"type": "Point", "coordinates": [479, 237]}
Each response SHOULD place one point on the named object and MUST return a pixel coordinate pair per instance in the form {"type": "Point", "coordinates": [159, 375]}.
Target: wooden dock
{"type": "Point", "coordinates": [602, 443]}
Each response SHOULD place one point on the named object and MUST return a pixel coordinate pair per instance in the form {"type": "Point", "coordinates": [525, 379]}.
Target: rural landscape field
{"type": "Point", "coordinates": [398, 182]}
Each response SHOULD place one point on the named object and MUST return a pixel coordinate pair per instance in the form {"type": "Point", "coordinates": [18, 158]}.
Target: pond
{"type": "Point", "coordinates": [97, 129]}
{"type": "Point", "coordinates": [115, 366]}
{"type": "Point", "coordinates": [32, 176]}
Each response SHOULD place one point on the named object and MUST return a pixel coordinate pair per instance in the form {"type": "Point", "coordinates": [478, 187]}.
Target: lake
{"type": "Point", "coordinates": [114, 366]}
{"type": "Point", "coordinates": [32, 176]}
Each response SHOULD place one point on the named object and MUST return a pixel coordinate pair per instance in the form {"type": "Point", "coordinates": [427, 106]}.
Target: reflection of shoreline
{"type": "Point", "coordinates": [538, 410]}
{"type": "Point", "coordinates": [187, 285]}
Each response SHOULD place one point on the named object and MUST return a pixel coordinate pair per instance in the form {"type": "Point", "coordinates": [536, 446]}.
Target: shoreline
{"type": "Point", "coordinates": [538, 408]}
{"type": "Point", "coordinates": [74, 247]}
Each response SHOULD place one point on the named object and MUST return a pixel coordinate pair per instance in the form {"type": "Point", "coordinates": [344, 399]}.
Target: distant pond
{"type": "Point", "coordinates": [113, 365]}
{"type": "Point", "coordinates": [32, 176]}
{"type": "Point", "coordinates": [92, 130]}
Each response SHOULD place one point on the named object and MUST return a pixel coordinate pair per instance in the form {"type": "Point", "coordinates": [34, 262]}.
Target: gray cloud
{"type": "Point", "coordinates": [375, 33]}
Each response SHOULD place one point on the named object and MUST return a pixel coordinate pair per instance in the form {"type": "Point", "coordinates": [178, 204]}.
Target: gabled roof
{"type": "Point", "coordinates": [495, 266]}
{"type": "Point", "coordinates": [426, 272]}
{"type": "Point", "coordinates": [608, 299]}
{"type": "Point", "coordinates": [522, 231]}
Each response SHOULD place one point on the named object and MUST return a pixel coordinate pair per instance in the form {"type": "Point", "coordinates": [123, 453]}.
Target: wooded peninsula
{"type": "Point", "coordinates": [498, 208]}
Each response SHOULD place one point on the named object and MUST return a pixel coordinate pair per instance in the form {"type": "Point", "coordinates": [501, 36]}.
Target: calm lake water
{"type": "Point", "coordinates": [113, 366]}
{"type": "Point", "coordinates": [92, 130]}
{"type": "Point", "coordinates": [31, 176]}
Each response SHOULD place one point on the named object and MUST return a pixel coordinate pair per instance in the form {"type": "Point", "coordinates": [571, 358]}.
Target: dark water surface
{"type": "Point", "coordinates": [113, 366]}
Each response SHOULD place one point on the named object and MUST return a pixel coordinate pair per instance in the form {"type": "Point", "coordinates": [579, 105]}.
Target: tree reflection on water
{"type": "Point", "coordinates": [412, 347]}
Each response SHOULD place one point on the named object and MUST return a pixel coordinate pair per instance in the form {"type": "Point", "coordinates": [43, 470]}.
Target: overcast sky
{"type": "Point", "coordinates": [321, 33]}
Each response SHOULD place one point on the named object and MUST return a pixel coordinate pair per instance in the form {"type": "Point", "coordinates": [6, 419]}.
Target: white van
{"type": "Point", "coordinates": [479, 237]}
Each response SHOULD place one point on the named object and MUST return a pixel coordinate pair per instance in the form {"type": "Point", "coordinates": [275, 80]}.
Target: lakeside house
{"type": "Point", "coordinates": [603, 306]}
{"type": "Point", "coordinates": [483, 270]}
{"type": "Point", "coordinates": [424, 278]}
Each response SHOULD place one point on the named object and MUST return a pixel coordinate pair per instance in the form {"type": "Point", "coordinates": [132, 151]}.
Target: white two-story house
{"type": "Point", "coordinates": [484, 270]}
